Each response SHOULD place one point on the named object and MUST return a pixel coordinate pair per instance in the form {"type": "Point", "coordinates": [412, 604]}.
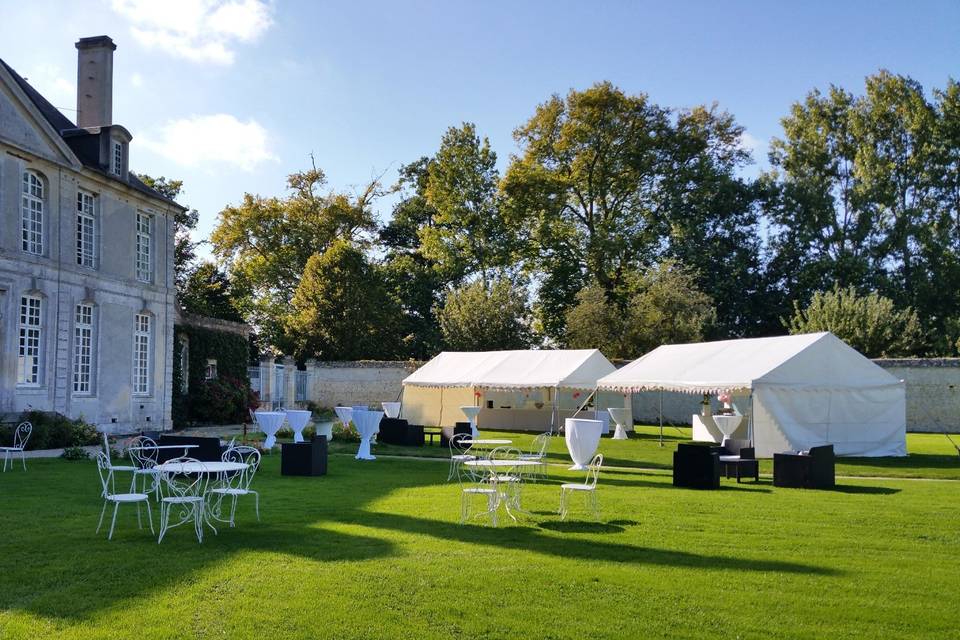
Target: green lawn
{"type": "Point", "coordinates": [373, 550]}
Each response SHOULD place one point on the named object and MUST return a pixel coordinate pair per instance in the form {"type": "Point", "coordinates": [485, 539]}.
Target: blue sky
{"type": "Point", "coordinates": [232, 95]}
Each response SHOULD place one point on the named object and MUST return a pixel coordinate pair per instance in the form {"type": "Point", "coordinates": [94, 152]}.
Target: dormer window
{"type": "Point", "coordinates": [116, 158]}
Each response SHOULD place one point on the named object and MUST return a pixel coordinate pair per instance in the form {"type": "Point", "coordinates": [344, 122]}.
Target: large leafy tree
{"type": "Point", "coordinates": [341, 310]}
{"type": "Point", "coordinates": [466, 235]}
{"type": "Point", "coordinates": [864, 196]}
{"type": "Point", "coordinates": [607, 184]}
{"type": "Point", "coordinates": [266, 244]}
{"type": "Point", "coordinates": [869, 323]}
{"type": "Point", "coordinates": [663, 306]}
{"type": "Point", "coordinates": [479, 317]}
{"type": "Point", "coordinates": [208, 292]}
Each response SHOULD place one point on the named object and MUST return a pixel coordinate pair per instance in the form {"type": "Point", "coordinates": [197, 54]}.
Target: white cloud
{"type": "Point", "coordinates": [212, 140]}
{"type": "Point", "coordinates": [198, 30]}
{"type": "Point", "coordinates": [55, 86]}
{"type": "Point", "coordinates": [136, 80]}
{"type": "Point", "coordinates": [757, 148]}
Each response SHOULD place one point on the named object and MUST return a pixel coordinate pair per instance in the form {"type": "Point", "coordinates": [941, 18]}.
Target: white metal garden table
{"type": "Point", "coordinates": [214, 470]}
{"type": "Point", "coordinates": [496, 466]}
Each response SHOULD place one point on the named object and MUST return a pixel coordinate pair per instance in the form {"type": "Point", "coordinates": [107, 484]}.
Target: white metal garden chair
{"type": "Point", "coordinates": [509, 481]}
{"type": "Point", "coordinates": [182, 494]}
{"type": "Point", "coordinates": [110, 496]}
{"type": "Point", "coordinates": [458, 454]}
{"type": "Point", "coordinates": [144, 455]}
{"type": "Point", "coordinates": [538, 454]}
{"type": "Point", "coordinates": [587, 488]}
{"type": "Point", "coordinates": [475, 483]}
{"type": "Point", "coordinates": [20, 437]}
{"type": "Point", "coordinates": [235, 485]}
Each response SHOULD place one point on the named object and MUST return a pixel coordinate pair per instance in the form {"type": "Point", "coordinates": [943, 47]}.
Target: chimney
{"type": "Point", "coordinates": [95, 81]}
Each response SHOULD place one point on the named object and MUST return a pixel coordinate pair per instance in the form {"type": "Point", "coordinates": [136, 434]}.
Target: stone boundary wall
{"type": "Point", "coordinates": [933, 390]}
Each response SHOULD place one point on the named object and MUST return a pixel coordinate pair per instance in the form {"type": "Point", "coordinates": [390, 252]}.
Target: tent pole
{"type": "Point", "coordinates": [440, 419]}
{"type": "Point", "coordinates": [556, 412]}
{"type": "Point", "coordinates": [750, 422]}
{"type": "Point", "coordinates": [661, 417]}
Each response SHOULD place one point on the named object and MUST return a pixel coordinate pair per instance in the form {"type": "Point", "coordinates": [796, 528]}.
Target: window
{"type": "Point", "coordinates": [83, 349]}
{"type": "Point", "coordinates": [144, 263]}
{"type": "Point", "coordinates": [28, 364]}
{"type": "Point", "coordinates": [116, 159]}
{"type": "Point", "coordinates": [31, 214]}
{"type": "Point", "coordinates": [86, 229]}
{"type": "Point", "coordinates": [210, 373]}
{"type": "Point", "coordinates": [141, 355]}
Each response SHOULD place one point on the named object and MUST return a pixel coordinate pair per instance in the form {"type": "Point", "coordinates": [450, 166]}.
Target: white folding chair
{"type": "Point", "coordinates": [110, 496]}
{"type": "Point", "coordinates": [144, 455]}
{"type": "Point", "coordinates": [458, 454]}
{"type": "Point", "coordinates": [479, 484]}
{"type": "Point", "coordinates": [538, 454]}
{"type": "Point", "coordinates": [588, 488]}
{"type": "Point", "coordinates": [20, 437]}
{"type": "Point", "coordinates": [182, 491]}
{"type": "Point", "coordinates": [237, 484]}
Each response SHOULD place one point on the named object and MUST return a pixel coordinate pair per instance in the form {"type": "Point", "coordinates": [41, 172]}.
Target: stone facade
{"type": "Point", "coordinates": [37, 146]}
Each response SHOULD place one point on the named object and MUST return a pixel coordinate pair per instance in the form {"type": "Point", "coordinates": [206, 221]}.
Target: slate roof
{"type": "Point", "coordinates": [62, 124]}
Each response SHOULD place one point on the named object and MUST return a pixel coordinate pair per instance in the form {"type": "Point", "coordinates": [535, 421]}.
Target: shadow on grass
{"type": "Point", "coordinates": [531, 539]}
{"type": "Point", "coordinates": [852, 488]}
{"type": "Point", "coordinates": [917, 461]}
{"type": "Point", "coordinates": [582, 526]}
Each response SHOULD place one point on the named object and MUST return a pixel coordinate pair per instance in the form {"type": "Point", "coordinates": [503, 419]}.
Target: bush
{"type": "Point", "coordinates": [52, 431]}
{"type": "Point", "coordinates": [224, 400]}
{"type": "Point", "coordinates": [75, 453]}
{"type": "Point", "coordinates": [345, 433]}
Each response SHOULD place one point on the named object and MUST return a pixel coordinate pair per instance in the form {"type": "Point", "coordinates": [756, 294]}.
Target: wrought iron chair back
{"type": "Point", "coordinates": [106, 475]}
{"type": "Point", "coordinates": [143, 452]}
{"type": "Point", "coordinates": [179, 483]}
{"type": "Point", "coordinates": [457, 447]}
{"type": "Point", "coordinates": [593, 471]}
{"type": "Point", "coordinates": [249, 456]}
{"type": "Point", "coordinates": [22, 435]}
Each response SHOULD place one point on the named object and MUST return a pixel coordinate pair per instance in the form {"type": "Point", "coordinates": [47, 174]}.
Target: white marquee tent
{"type": "Point", "coordinates": [516, 389]}
{"type": "Point", "coordinates": [799, 391]}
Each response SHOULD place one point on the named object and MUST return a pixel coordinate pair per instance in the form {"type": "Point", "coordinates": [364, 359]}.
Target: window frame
{"type": "Point", "coordinates": [142, 357]}
{"type": "Point", "coordinates": [116, 157]}
{"type": "Point", "coordinates": [87, 216]}
{"type": "Point", "coordinates": [30, 338]}
{"type": "Point", "coordinates": [144, 247]}
{"type": "Point", "coordinates": [84, 325]}
{"type": "Point", "coordinates": [32, 212]}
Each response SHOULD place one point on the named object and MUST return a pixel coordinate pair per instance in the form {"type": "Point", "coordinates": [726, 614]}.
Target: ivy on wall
{"type": "Point", "coordinates": [222, 400]}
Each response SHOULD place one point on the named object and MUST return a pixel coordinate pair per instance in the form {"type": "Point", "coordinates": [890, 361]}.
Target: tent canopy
{"type": "Point", "coordinates": [565, 369]}
{"type": "Point", "coordinates": [809, 361]}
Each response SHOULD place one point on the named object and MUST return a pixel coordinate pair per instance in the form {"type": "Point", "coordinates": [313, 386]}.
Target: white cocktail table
{"type": "Point", "coordinates": [621, 416]}
{"type": "Point", "coordinates": [471, 413]}
{"type": "Point", "coordinates": [583, 437]}
{"type": "Point", "coordinates": [297, 419]}
{"type": "Point", "coordinates": [367, 423]}
{"type": "Point", "coordinates": [270, 422]}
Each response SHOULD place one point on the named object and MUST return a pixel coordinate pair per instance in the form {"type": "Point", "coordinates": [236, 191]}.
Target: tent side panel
{"type": "Point", "coordinates": [858, 422]}
{"type": "Point", "coordinates": [433, 406]}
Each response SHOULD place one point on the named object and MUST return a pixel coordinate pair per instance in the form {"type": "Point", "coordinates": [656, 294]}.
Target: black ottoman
{"type": "Point", "coordinates": [697, 466]}
{"type": "Point", "coordinates": [304, 458]}
{"type": "Point", "coordinates": [397, 431]}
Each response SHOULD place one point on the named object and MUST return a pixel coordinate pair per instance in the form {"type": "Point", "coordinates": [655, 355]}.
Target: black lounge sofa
{"type": "Point", "coordinates": [397, 431]}
{"type": "Point", "coordinates": [815, 469]}
{"type": "Point", "coordinates": [696, 465]}
{"type": "Point", "coordinates": [744, 466]}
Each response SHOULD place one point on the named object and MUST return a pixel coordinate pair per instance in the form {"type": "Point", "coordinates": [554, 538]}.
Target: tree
{"type": "Point", "coordinates": [341, 310]}
{"type": "Point", "coordinates": [664, 306]}
{"type": "Point", "coordinates": [466, 235]}
{"type": "Point", "coordinates": [415, 281]}
{"type": "Point", "coordinates": [608, 184]}
{"type": "Point", "coordinates": [266, 244]}
{"type": "Point", "coordinates": [476, 317]}
{"type": "Point", "coordinates": [870, 323]}
{"type": "Point", "coordinates": [207, 292]}
{"type": "Point", "coordinates": [185, 249]}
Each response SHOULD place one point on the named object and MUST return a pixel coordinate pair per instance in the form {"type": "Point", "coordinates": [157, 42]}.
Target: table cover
{"type": "Point", "coordinates": [298, 420]}
{"type": "Point", "coordinates": [270, 422]}
{"type": "Point", "coordinates": [620, 416]}
{"type": "Point", "coordinates": [583, 437]}
{"type": "Point", "coordinates": [367, 423]}
{"type": "Point", "coordinates": [471, 413]}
